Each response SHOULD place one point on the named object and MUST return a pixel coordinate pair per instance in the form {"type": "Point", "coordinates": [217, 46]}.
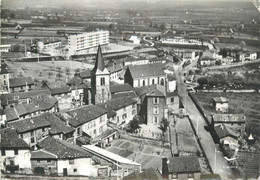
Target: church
{"type": "Point", "coordinates": [99, 90]}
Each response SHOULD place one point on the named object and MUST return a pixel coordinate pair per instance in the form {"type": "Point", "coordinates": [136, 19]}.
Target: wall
{"type": "Point", "coordinates": [148, 81]}
{"type": "Point", "coordinates": [50, 168]}
{"type": "Point", "coordinates": [223, 107]}
{"type": "Point", "coordinates": [130, 114]}
{"type": "Point", "coordinates": [150, 110]}
{"type": "Point", "coordinates": [76, 94]}
{"type": "Point", "coordinates": [171, 86]}
{"type": "Point", "coordinates": [22, 159]}
{"type": "Point", "coordinates": [94, 125]}
{"type": "Point", "coordinates": [233, 143]}
{"type": "Point", "coordinates": [196, 176]}
{"type": "Point", "coordinates": [83, 166]}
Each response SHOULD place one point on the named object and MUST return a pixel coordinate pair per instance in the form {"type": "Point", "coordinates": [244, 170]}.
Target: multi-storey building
{"type": "Point", "coordinates": [4, 76]}
{"type": "Point", "coordinates": [87, 40]}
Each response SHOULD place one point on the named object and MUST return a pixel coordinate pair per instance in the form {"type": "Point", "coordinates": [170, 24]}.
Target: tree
{"type": "Point", "coordinates": [50, 74]}
{"type": "Point", "coordinates": [216, 40]}
{"type": "Point", "coordinates": [59, 75]}
{"type": "Point", "coordinates": [242, 44]}
{"type": "Point", "coordinates": [68, 72]}
{"type": "Point", "coordinates": [202, 81]}
{"type": "Point", "coordinates": [44, 83]}
{"type": "Point", "coordinates": [164, 126]}
{"type": "Point", "coordinates": [36, 81]}
{"type": "Point", "coordinates": [163, 26]}
{"type": "Point", "coordinates": [134, 124]}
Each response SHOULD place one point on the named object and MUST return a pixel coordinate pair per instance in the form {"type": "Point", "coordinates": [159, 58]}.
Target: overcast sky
{"type": "Point", "coordinates": [86, 3]}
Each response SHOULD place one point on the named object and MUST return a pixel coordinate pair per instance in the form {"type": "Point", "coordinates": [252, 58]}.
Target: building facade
{"type": "Point", "coordinates": [87, 40]}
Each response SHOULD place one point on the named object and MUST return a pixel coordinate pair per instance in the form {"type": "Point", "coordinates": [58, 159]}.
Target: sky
{"type": "Point", "coordinates": [88, 3]}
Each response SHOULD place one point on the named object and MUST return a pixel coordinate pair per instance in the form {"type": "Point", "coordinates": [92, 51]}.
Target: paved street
{"type": "Point", "coordinates": [206, 140]}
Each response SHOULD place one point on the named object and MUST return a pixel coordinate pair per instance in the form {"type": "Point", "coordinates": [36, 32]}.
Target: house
{"type": "Point", "coordinates": [58, 157]}
{"type": "Point", "coordinates": [250, 56]}
{"type": "Point", "coordinates": [121, 110]}
{"type": "Point", "coordinates": [132, 61]}
{"type": "Point", "coordinates": [185, 54]}
{"type": "Point", "coordinates": [134, 39]}
{"type": "Point", "coordinates": [121, 166]}
{"type": "Point", "coordinates": [15, 152]}
{"type": "Point", "coordinates": [145, 75]}
{"type": "Point", "coordinates": [146, 174]}
{"type": "Point", "coordinates": [183, 167]}
{"type": "Point", "coordinates": [237, 121]}
{"type": "Point", "coordinates": [31, 130]}
{"type": "Point", "coordinates": [7, 100]}
{"type": "Point", "coordinates": [207, 59]}
{"type": "Point", "coordinates": [4, 76]}
{"type": "Point", "coordinates": [115, 70]}
{"type": "Point", "coordinates": [48, 47]}
{"type": "Point", "coordinates": [155, 103]}
{"type": "Point", "coordinates": [225, 136]}
{"type": "Point", "coordinates": [89, 122]}
{"type": "Point", "coordinates": [220, 104]}
{"type": "Point", "coordinates": [21, 84]}
{"type": "Point", "coordinates": [5, 48]}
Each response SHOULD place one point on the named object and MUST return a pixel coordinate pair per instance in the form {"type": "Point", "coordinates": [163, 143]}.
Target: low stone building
{"type": "Point", "coordinates": [220, 104]}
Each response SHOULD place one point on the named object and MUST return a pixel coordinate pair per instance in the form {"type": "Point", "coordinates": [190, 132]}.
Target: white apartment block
{"type": "Point", "coordinates": [87, 40]}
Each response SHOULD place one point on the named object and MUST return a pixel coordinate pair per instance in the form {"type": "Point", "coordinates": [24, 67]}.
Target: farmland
{"type": "Point", "coordinates": [245, 103]}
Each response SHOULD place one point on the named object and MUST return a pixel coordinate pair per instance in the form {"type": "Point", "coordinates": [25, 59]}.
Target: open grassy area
{"type": "Point", "coordinates": [47, 70]}
{"type": "Point", "coordinates": [246, 103]}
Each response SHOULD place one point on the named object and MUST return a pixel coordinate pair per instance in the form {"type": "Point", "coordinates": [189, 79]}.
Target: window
{"type": "Point", "coordinates": [153, 81]}
{"type": "Point", "coordinates": [124, 108]}
{"type": "Point", "coordinates": [156, 110]}
{"type": "Point", "coordinates": [48, 160]}
{"type": "Point", "coordinates": [174, 176]}
{"type": "Point", "coordinates": [32, 140]}
{"type": "Point", "coordinates": [124, 116]}
{"type": "Point", "coordinates": [78, 131]}
{"type": "Point", "coordinates": [102, 81]}
{"type": "Point", "coordinates": [155, 120]}
{"type": "Point", "coordinates": [100, 120]}
{"type": "Point", "coordinates": [16, 152]}
{"type": "Point", "coordinates": [162, 82]}
{"type": "Point", "coordinates": [95, 132]}
{"type": "Point", "coordinates": [172, 99]}
{"type": "Point", "coordinates": [38, 160]}
{"type": "Point", "coordinates": [133, 106]}
{"type": "Point", "coordinates": [101, 130]}
{"type": "Point", "coordinates": [71, 161]}
{"type": "Point", "coordinates": [143, 82]}
{"type": "Point", "coordinates": [156, 100]}
{"type": "Point", "coordinates": [3, 152]}
{"type": "Point", "coordinates": [117, 118]}
{"type": "Point", "coordinates": [21, 136]}
{"type": "Point", "coordinates": [191, 175]}
{"type": "Point", "coordinates": [74, 170]}
{"type": "Point", "coordinates": [31, 133]}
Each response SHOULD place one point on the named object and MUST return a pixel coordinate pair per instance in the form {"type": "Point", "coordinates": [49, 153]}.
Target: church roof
{"type": "Point", "coordinates": [99, 64]}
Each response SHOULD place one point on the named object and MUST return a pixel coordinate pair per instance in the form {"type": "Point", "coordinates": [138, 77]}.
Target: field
{"type": "Point", "coordinates": [47, 70]}
{"type": "Point", "coordinates": [247, 103]}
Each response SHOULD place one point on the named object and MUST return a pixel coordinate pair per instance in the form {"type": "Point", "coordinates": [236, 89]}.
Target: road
{"type": "Point", "coordinates": [150, 42]}
{"type": "Point", "coordinates": [205, 137]}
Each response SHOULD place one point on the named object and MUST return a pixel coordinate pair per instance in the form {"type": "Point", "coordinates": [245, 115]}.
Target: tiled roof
{"type": "Point", "coordinates": [31, 108]}
{"type": "Point", "coordinates": [84, 114]}
{"type": "Point", "coordinates": [75, 81]}
{"type": "Point", "coordinates": [11, 114]}
{"type": "Point", "coordinates": [220, 99]}
{"type": "Point", "coordinates": [42, 154]}
{"type": "Point", "coordinates": [114, 68]}
{"type": "Point", "coordinates": [171, 94]}
{"type": "Point", "coordinates": [147, 70]}
{"type": "Point", "coordinates": [30, 124]}
{"type": "Point", "coordinates": [21, 109]}
{"type": "Point", "coordinates": [85, 74]}
{"type": "Point", "coordinates": [153, 90]}
{"type": "Point", "coordinates": [57, 126]}
{"type": "Point", "coordinates": [124, 94]}
{"type": "Point", "coordinates": [227, 118]}
{"type": "Point", "coordinates": [62, 149]}
{"type": "Point", "coordinates": [120, 88]}
{"type": "Point", "coordinates": [222, 131]}
{"type": "Point", "coordinates": [207, 55]}
{"type": "Point", "coordinates": [60, 90]}
{"type": "Point", "coordinates": [183, 164]}
{"type": "Point", "coordinates": [119, 103]}
{"type": "Point", "coordinates": [9, 139]}
{"type": "Point", "coordinates": [17, 82]}
{"type": "Point", "coordinates": [45, 102]}
{"type": "Point", "coordinates": [249, 163]}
